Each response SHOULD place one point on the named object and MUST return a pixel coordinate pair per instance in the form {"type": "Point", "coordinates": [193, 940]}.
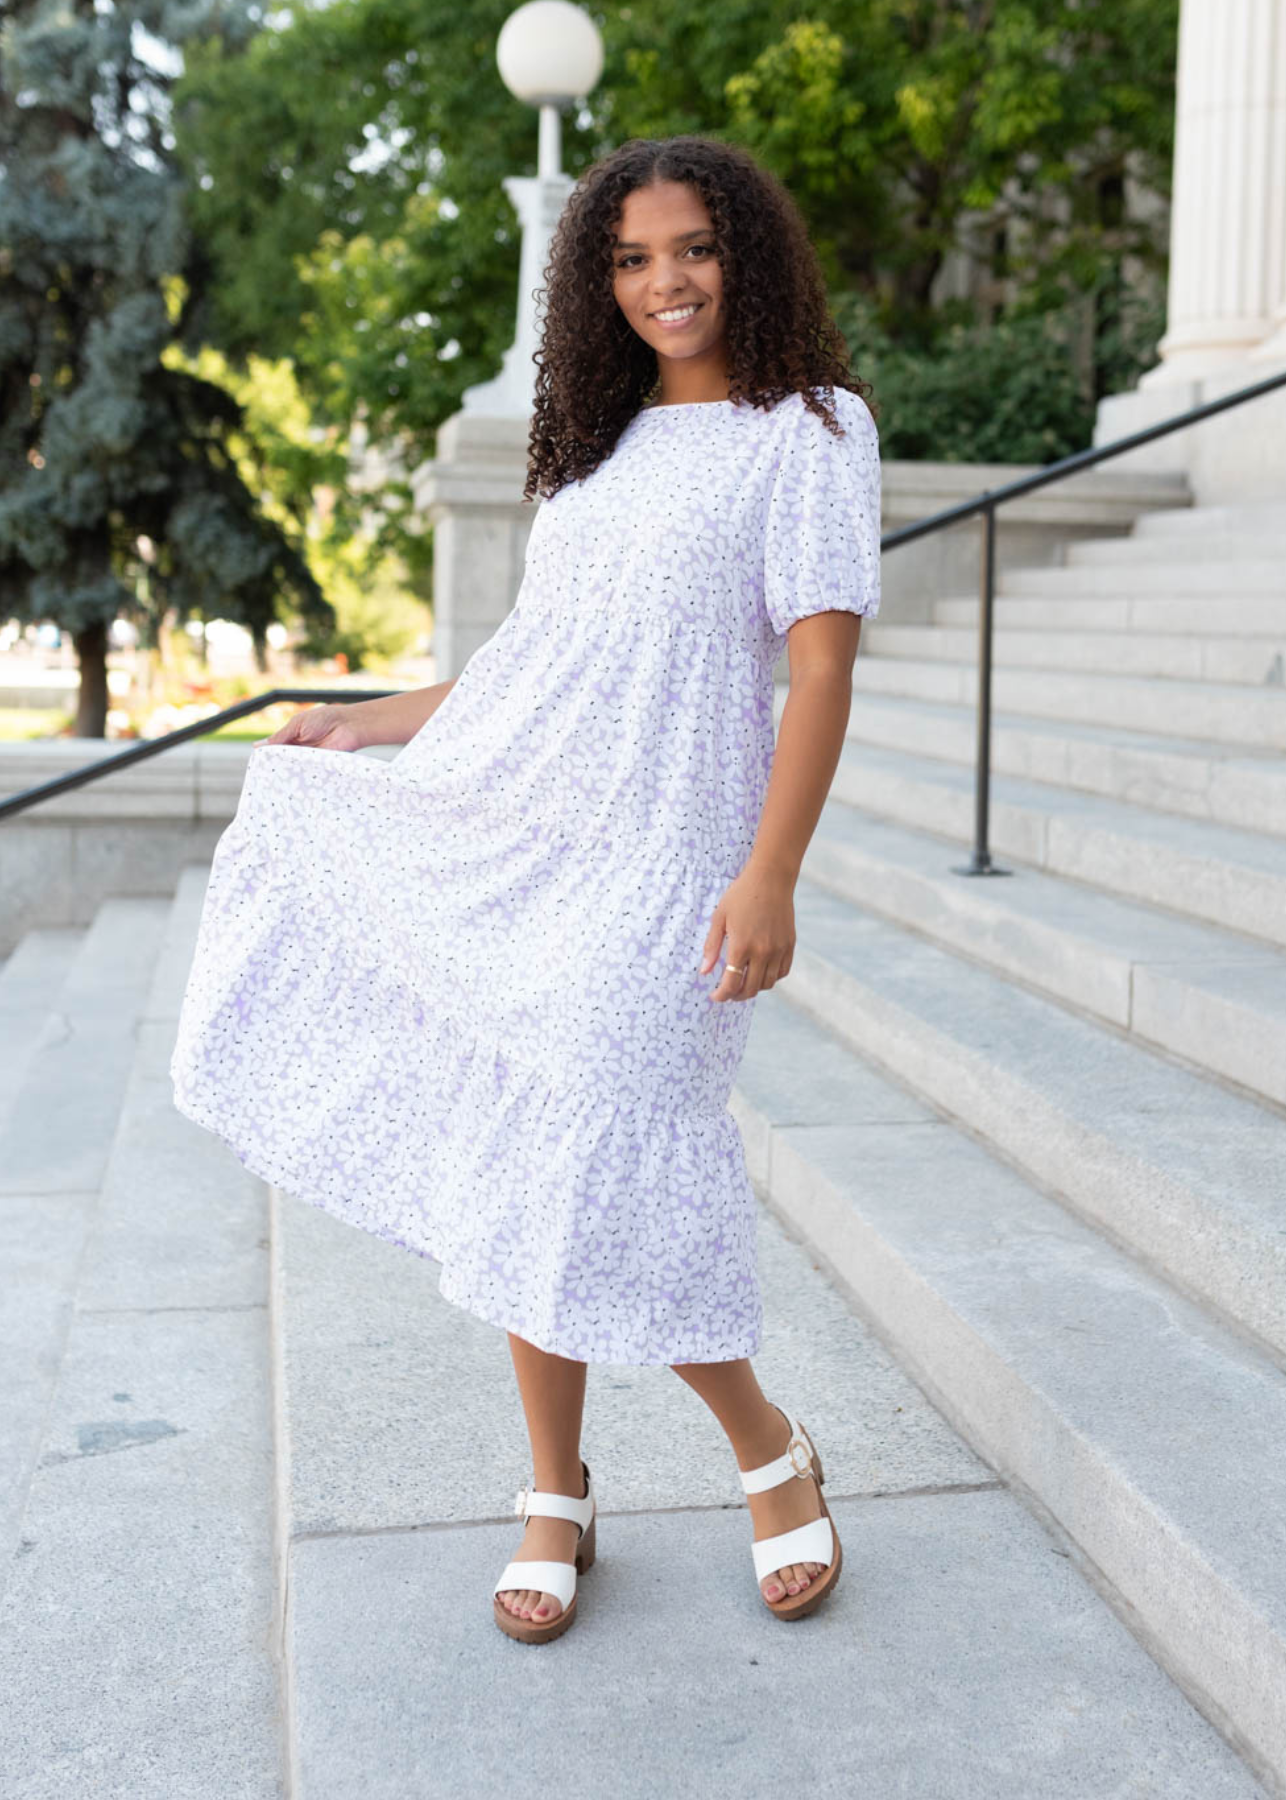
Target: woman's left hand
{"type": "Point", "coordinates": [756, 913]}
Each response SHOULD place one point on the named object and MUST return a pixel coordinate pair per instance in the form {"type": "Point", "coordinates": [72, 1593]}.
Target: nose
{"type": "Point", "coordinates": [668, 289]}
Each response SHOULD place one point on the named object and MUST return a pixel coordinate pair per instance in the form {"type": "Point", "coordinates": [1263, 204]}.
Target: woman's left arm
{"type": "Point", "coordinates": [757, 910]}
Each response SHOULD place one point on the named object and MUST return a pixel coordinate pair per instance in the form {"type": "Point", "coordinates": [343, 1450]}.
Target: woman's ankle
{"type": "Point", "coordinates": [561, 1478]}
{"type": "Point", "coordinates": [762, 1441]}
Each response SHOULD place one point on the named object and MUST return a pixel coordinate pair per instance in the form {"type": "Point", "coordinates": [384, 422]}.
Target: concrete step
{"type": "Point", "coordinates": [1212, 997]}
{"type": "Point", "coordinates": [1212, 545]}
{"type": "Point", "coordinates": [962, 1655]}
{"type": "Point", "coordinates": [181, 1222]}
{"type": "Point", "coordinates": [1234, 879]}
{"type": "Point", "coordinates": [1266, 518]}
{"type": "Point", "coordinates": [65, 1107]}
{"type": "Point", "coordinates": [1170, 577]}
{"type": "Point", "coordinates": [54, 1144]}
{"type": "Point", "coordinates": [29, 982]}
{"type": "Point", "coordinates": [1254, 718]}
{"type": "Point", "coordinates": [1250, 661]}
{"type": "Point", "coordinates": [145, 1560]}
{"type": "Point", "coordinates": [1189, 777]}
{"type": "Point", "coordinates": [382, 1381]}
{"type": "Point", "coordinates": [1171, 1166]}
{"type": "Point", "coordinates": [1149, 1434]}
{"type": "Point", "coordinates": [1242, 615]}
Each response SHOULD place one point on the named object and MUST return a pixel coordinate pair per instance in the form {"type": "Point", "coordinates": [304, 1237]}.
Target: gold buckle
{"type": "Point", "coordinates": [800, 1455]}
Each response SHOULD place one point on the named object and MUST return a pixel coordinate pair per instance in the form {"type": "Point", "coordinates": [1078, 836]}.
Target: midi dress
{"type": "Point", "coordinates": [453, 996]}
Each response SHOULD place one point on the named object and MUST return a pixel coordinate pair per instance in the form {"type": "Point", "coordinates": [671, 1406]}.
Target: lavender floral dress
{"type": "Point", "coordinates": [453, 996]}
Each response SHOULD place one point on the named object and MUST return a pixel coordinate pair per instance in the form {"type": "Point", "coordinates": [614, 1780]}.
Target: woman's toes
{"type": "Point", "coordinates": [530, 1603]}
{"type": "Point", "coordinates": [773, 1587]}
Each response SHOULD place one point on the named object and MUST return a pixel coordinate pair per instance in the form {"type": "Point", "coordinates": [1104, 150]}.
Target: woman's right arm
{"type": "Point", "coordinates": [336, 726]}
{"type": "Point", "coordinates": [397, 717]}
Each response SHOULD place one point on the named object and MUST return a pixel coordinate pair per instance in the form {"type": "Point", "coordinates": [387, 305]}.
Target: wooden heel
{"type": "Point", "coordinates": [587, 1547]}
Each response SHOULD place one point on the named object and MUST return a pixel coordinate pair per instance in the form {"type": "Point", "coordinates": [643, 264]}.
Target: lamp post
{"type": "Point", "coordinates": [549, 53]}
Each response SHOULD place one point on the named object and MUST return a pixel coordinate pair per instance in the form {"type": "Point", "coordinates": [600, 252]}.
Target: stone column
{"type": "Point", "coordinates": [1226, 325]}
{"type": "Point", "coordinates": [1228, 219]}
{"type": "Point", "coordinates": [471, 495]}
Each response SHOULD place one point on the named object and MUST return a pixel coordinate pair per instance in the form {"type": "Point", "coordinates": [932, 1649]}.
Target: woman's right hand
{"type": "Point", "coordinates": [326, 727]}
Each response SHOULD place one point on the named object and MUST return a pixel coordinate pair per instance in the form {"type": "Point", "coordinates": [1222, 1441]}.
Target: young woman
{"type": "Point", "coordinates": [465, 997]}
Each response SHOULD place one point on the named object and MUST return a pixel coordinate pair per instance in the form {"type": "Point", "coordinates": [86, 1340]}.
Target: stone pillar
{"type": "Point", "coordinates": [471, 495]}
{"type": "Point", "coordinates": [470, 492]}
{"type": "Point", "coordinates": [1226, 323]}
{"type": "Point", "coordinates": [1228, 219]}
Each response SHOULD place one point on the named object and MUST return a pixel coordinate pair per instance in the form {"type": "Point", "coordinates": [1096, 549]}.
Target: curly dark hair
{"type": "Point", "coordinates": [594, 371]}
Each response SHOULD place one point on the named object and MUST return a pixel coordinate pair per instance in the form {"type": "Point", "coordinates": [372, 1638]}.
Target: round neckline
{"type": "Point", "coordinates": [678, 405]}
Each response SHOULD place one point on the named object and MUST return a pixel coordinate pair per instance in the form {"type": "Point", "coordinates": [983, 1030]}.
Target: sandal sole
{"type": "Point", "coordinates": [524, 1632]}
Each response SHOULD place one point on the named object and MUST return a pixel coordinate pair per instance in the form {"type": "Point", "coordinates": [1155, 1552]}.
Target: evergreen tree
{"type": "Point", "coordinates": [107, 452]}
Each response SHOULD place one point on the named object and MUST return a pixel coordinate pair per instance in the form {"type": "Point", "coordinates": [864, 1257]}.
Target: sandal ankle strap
{"type": "Point", "coordinates": [536, 1503]}
{"type": "Point", "coordinates": [795, 1459]}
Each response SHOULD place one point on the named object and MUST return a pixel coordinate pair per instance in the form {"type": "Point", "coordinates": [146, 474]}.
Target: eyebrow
{"type": "Point", "coordinates": [701, 231]}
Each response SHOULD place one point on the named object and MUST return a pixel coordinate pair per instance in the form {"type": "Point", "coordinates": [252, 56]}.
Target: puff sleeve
{"type": "Point", "coordinates": [822, 537]}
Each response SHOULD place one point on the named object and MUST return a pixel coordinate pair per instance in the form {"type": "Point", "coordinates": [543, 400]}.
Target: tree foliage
{"type": "Point", "coordinates": [356, 218]}
{"type": "Point", "coordinates": [111, 456]}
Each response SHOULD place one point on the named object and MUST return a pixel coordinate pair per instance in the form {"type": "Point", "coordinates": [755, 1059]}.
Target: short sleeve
{"type": "Point", "coordinates": [822, 539]}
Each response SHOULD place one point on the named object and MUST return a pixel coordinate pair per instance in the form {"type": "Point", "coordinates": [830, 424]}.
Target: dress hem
{"type": "Point", "coordinates": [278, 1177]}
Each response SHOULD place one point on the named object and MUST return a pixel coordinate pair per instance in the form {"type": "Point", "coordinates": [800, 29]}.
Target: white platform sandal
{"type": "Point", "coordinates": [556, 1578]}
{"type": "Point", "coordinates": [815, 1542]}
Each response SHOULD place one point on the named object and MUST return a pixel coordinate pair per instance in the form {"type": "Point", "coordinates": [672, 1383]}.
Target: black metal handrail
{"type": "Point", "coordinates": [107, 765]}
{"type": "Point", "coordinates": [986, 504]}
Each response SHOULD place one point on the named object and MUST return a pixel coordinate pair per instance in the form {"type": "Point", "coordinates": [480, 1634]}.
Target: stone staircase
{"type": "Point", "coordinates": [1081, 1255]}
{"type": "Point", "coordinates": [1022, 1147]}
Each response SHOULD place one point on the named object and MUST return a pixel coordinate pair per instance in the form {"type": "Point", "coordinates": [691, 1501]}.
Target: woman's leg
{"type": "Point", "coordinates": [553, 1398]}
{"type": "Point", "coordinates": [758, 1432]}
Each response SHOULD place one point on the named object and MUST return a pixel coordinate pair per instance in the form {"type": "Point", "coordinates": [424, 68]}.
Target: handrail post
{"type": "Point", "coordinates": [981, 863]}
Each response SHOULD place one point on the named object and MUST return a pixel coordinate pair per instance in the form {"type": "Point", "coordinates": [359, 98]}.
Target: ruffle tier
{"type": "Point", "coordinates": [311, 1041]}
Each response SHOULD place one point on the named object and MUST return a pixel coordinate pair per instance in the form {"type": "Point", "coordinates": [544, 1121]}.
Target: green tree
{"type": "Point", "coordinates": [107, 451]}
{"type": "Point", "coordinates": [357, 222]}
{"type": "Point", "coordinates": [356, 544]}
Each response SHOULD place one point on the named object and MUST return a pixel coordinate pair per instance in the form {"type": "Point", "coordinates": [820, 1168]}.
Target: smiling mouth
{"type": "Point", "coordinates": [689, 310]}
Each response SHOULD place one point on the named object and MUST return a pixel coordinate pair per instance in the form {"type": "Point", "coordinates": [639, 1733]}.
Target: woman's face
{"type": "Point", "coordinates": [663, 255]}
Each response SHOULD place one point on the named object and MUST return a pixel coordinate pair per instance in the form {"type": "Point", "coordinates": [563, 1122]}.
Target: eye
{"type": "Point", "coordinates": [625, 261]}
